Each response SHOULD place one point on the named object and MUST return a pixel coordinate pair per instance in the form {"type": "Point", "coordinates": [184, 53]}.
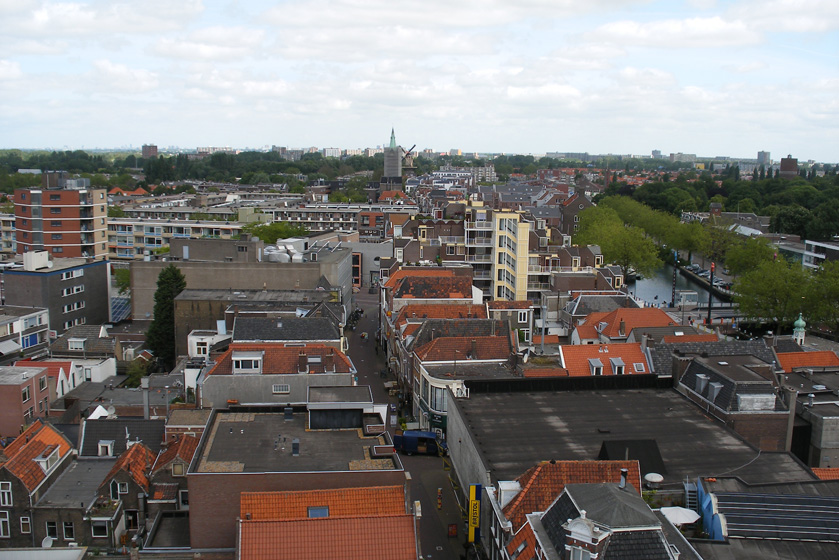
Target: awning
{"type": "Point", "coordinates": [9, 347]}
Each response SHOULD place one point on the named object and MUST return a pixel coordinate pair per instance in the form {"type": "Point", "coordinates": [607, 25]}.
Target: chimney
{"type": "Point", "coordinates": [144, 384]}
{"type": "Point", "coordinates": [329, 361]}
{"type": "Point", "coordinates": [302, 363]}
{"type": "Point", "coordinates": [810, 398]}
{"type": "Point", "coordinates": [644, 342]}
{"type": "Point", "coordinates": [622, 484]}
{"type": "Point", "coordinates": [622, 327]}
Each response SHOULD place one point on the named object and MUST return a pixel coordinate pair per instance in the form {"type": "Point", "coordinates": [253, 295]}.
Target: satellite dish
{"type": "Point", "coordinates": [111, 410]}
{"type": "Point", "coordinates": [50, 264]}
{"type": "Point", "coordinates": [47, 542]}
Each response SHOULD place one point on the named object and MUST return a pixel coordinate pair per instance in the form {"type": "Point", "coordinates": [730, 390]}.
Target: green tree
{"type": "Point", "coordinates": [623, 245]}
{"type": "Point", "coordinates": [746, 255]}
{"type": "Point", "coordinates": [136, 371]}
{"type": "Point", "coordinates": [791, 219]}
{"type": "Point", "coordinates": [116, 212]}
{"type": "Point", "coordinates": [123, 279]}
{"type": "Point", "coordinates": [773, 292]}
{"type": "Point", "coordinates": [821, 305]}
{"type": "Point", "coordinates": [270, 233]}
{"type": "Point", "coordinates": [160, 336]}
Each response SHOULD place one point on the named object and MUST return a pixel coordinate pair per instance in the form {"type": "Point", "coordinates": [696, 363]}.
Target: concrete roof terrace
{"type": "Point", "coordinates": [261, 442]}
{"type": "Point", "coordinates": [514, 431]}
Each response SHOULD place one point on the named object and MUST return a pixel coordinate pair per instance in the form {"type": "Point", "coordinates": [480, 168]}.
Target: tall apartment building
{"type": "Point", "coordinates": [63, 220]}
{"type": "Point", "coordinates": [763, 158]}
{"type": "Point", "coordinates": [149, 151]}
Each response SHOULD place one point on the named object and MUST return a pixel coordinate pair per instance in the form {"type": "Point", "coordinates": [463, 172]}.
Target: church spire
{"type": "Point", "coordinates": [392, 139]}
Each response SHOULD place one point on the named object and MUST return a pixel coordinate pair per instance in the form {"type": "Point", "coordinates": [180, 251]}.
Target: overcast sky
{"type": "Point", "coordinates": [525, 76]}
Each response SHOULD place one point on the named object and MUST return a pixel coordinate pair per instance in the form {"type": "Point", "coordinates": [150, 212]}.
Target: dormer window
{"type": "Point", "coordinates": [49, 458]}
{"type": "Point", "coordinates": [76, 344]}
{"type": "Point", "coordinates": [247, 362]}
{"type": "Point", "coordinates": [595, 366]}
{"type": "Point", "coordinates": [617, 365]}
{"type": "Point", "coordinates": [106, 448]}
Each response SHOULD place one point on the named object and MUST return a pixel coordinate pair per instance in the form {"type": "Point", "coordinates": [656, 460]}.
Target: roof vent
{"type": "Point", "coordinates": [295, 447]}
{"type": "Point", "coordinates": [701, 383]}
{"type": "Point", "coordinates": [714, 391]}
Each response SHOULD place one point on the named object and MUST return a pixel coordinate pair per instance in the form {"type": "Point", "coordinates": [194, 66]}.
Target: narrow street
{"type": "Point", "coordinates": [427, 473]}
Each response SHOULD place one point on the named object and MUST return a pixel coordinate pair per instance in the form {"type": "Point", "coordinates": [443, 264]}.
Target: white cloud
{"type": "Point", "coordinates": [213, 44]}
{"type": "Point", "coordinates": [121, 78]}
{"type": "Point", "coordinates": [9, 70]}
{"type": "Point", "coordinates": [678, 33]}
{"type": "Point", "coordinates": [800, 16]}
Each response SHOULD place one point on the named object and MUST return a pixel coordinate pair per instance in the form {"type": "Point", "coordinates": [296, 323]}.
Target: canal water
{"type": "Point", "coordinates": [657, 290]}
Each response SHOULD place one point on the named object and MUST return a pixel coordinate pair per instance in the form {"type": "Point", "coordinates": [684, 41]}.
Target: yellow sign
{"type": "Point", "coordinates": [474, 513]}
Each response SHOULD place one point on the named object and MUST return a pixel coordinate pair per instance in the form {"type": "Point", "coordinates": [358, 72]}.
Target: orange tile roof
{"type": "Point", "coordinates": [183, 449]}
{"type": "Point", "coordinates": [587, 332]}
{"type": "Point", "coordinates": [541, 484]}
{"type": "Point", "coordinates": [409, 272]}
{"type": "Point", "coordinates": [53, 368]}
{"type": "Point", "coordinates": [549, 339]}
{"type": "Point", "coordinates": [342, 502]}
{"type": "Point", "coordinates": [632, 318]}
{"type": "Point", "coordinates": [370, 538]}
{"type": "Point", "coordinates": [441, 311]}
{"type": "Point", "coordinates": [823, 358]}
{"type": "Point", "coordinates": [281, 359]}
{"type": "Point", "coordinates": [445, 348]}
{"type": "Point", "coordinates": [827, 474]}
{"type": "Point", "coordinates": [501, 304]}
{"type": "Point", "coordinates": [30, 445]}
{"type": "Point", "coordinates": [137, 461]}
{"type": "Point", "coordinates": [524, 535]}
{"type": "Point", "coordinates": [410, 329]}
{"type": "Point", "coordinates": [575, 358]}
{"type": "Point", "coordinates": [444, 287]}
{"type": "Point", "coordinates": [690, 338]}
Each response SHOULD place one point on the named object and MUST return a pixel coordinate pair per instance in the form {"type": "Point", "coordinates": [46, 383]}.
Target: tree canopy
{"type": "Point", "coordinates": [160, 336]}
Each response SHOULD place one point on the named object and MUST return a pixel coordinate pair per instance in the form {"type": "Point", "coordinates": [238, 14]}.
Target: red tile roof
{"type": "Point", "coordinates": [454, 287]}
{"type": "Point", "coordinates": [587, 332]}
{"type": "Point", "coordinates": [542, 484]}
{"type": "Point", "coordinates": [39, 438]}
{"type": "Point", "coordinates": [440, 311]}
{"type": "Point", "coordinates": [632, 317]}
{"type": "Point", "coordinates": [823, 358]}
{"type": "Point", "coordinates": [370, 538]}
{"type": "Point", "coordinates": [575, 358]}
{"type": "Point", "coordinates": [281, 359]}
{"type": "Point", "coordinates": [671, 338]}
{"type": "Point", "coordinates": [549, 339]}
{"type": "Point", "coordinates": [136, 461]}
{"type": "Point", "coordinates": [53, 368]}
{"type": "Point", "coordinates": [410, 272]}
{"type": "Point", "coordinates": [182, 449]}
{"type": "Point", "coordinates": [501, 304]}
{"type": "Point", "coordinates": [446, 349]}
{"type": "Point", "coordinates": [827, 474]}
{"type": "Point", "coordinates": [524, 535]}
{"type": "Point", "coordinates": [342, 502]}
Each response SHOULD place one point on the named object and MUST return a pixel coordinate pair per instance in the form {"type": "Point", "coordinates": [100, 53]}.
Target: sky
{"type": "Point", "coordinates": [708, 77]}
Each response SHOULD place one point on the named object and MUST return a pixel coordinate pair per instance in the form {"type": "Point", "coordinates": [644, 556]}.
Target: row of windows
{"type": "Point", "coordinates": [72, 290]}
{"type": "Point", "coordinates": [70, 274]}
{"type": "Point", "coordinates": [73, 323]}
{"type": "Point", "coordinates": [73, 306]}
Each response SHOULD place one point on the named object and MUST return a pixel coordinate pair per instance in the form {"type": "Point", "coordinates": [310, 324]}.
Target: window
{"type": "Point", "coordinates": [52, 529]}
{"type": "Point", "coordinates": [6, 494]}
{"type": "Point", "coordinates": [99, 529]}
{"type": "Point", "coordinates": [76, 344]}
{"type": "Point", "coordinates": [241, 248]}
{"type": "Point", "coordinates": [522, 316]}
{"type": "Point", "coordinates": [106, 448]}
{"type": "Point", "coordinates": [56, 236]}
{"type": "Point", "coordinates": [579, 554]}
{"type": "Point", "coordinates": [201, 348]}
{"type": "Point", "coordinates": [122, 488]}
{"type": "Point", "coordinates": [55, 223]}
{"type": "Point", "coordinates": [55, 197]}
{"type": "Point", "coordinates": [25, 394]}
{"type": "Point", "coordinates": [25, 525]}
{"type": "Point", "coordinates": [4, 525]}
{"type": "Point", "coordinates": [42, 382]}
{"type": "Point", "coordinates": [58, 249]}
{"type": "Point", "coordinates": [450, 249]}
{"type": "Point", "coordinates": [438, 398]}
{"type": "Point", "coordinates": [318, 511]}
{"type": "Point", "coordinates": [177, 469]}
{"type": "Point", "coordinates": [55, 210]}
{"type": "Point", "coordinates": [69, 531]}
{"type": "Point", "coordinates": [281, 389]}
{"type": "Point", "coordinates": [639, 367]}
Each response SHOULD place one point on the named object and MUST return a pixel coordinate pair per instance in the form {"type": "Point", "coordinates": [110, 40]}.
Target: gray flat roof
{"type": "Point", "coordinates": [468, 370]}
{"type": "Point", "coordinates": [10, 375]}
{"type": "Point", "coordinates": [514, 431]}
{"type": "Point", "coordinates": [357, 394]}
{"type": "Point", "coordinates": [262, 442]}
{"type": "Point", "coordinates": [78, 484]}
{"type": "Point", "coordinates": [10, 312]}
{"type": "Point", "coordinates": [292, 296]}
{"type": "Point", "coordinates": [736, 368]}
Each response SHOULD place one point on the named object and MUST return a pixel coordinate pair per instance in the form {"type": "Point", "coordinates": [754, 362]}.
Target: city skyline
{"type": "Point", "coordinates": [606, 76]}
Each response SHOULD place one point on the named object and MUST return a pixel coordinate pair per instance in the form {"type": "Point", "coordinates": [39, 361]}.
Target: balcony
{"type": "Point", "coordinates": [479, 258]}
{"type": "Point", "coordinates": [486, 225]}
{"type": "Point", "coordinates": [452, 239]}
{"type": "Point", "coordinates": [538, 286]}
{"type": "Point", "coordinates": [481, 241]}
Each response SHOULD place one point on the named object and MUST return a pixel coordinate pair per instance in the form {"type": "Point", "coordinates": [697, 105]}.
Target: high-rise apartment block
{"type": "Point", "coordinates": [149, 151]}
{"type": "Point", "coordinates": [763, 158]}
{"type": "Point", "coordinates": [65, 217]}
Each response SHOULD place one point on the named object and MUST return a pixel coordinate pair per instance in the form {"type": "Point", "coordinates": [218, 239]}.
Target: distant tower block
{"type": "Point", "coordinates": [393, 160]}
{"type": "Point", "coordinates": [149, 151]}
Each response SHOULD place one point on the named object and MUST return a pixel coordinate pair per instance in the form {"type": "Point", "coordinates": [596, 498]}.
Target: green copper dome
{"type": "Point", "coordinates": [799, 323]}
